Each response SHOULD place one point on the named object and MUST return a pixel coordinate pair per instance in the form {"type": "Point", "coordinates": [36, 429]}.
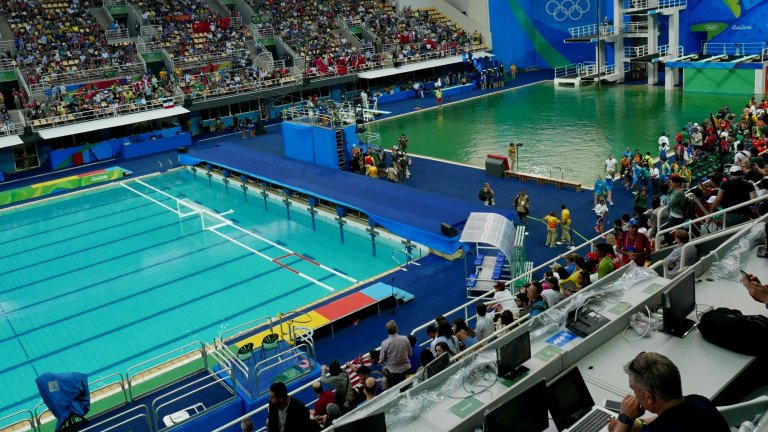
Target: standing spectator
{"type": "Point", "coordinates": [337, 378]}
{"type": "Point", "coordinates": [634, 245]}
{"type": "Point", "coordinates": [415, 353]}
{"type": "Point", "coordinates": [484, 326]}
{"type": "Point", "coordinates": [512, 156]}
{"type": "Point", "coordinates": [286, 414]}
{"type": "Point", "coordinates": [610, 167]}
{"type": "Point", "coordinates": [605, 264]}
{"type": "Point", "coordinates": [552, 222]}
{"type": "Point", "coordinates": [565, 226]}
{"type": "Point", "coordinates": [502, 300]}
{"type": "Point", "coordinates": [601, 211]}
{"type": "Point", "coordinates": [522, 205]}
{"type": "Point", "coordinates": [395, 355]}
{"type": "Point", "coordinates": [734, 192]}
{"type": "Point", "coordinates": [676, 205]}
{"type": "Point", "coordinates": [486, 195]}
{"type": "Point", "coordinates": [598, 190]}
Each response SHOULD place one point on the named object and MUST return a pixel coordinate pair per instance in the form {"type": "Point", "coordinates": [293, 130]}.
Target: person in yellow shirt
{"type": "Point", "coordinates": [552, 222]}
{"type": "Point", "coordinates": [565, 227]}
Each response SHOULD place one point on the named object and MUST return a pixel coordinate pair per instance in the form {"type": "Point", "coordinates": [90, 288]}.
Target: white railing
{"type": "Point", "coordinates": [114, 2]}
{"type": "Point", "coordinates": [99, 113]}
{"type": "Point", "coordinates": [116, 35]}
{"type": "Point", "coordinates": [235, 22]}
{"type": "Point", "coordinates": [196, 61]}
{"type": "Point", "coordinates": [89, 75]}
{"type": "Point", "coordinates": [261, 33]}
{"type": "Point", "coordinates": [244, 88]}
{"type": "Point", "coordinates": [654, 4]}
{"type": "Point", "coordinates": [689, 225]}
{"type": "Point", "coordinates": [636, 27]}
{"type": "Point", "coordinates": [567, 70]}
{"type": "Point", "coordinates": [734, 48]}
{"type": "Point", "coordinates": [587, 68]}
{"type": "Point", "coordinates": [144, 47]}
{"type": "Point", "coordinates": [7, 45]}
{"type": "Point", "coordinates": [637, 51]}
{"type": "Point", "coordinates": [587, 30]}
{"type": "Point", "coordinates": [7, 64]}
{"type": "Point", "coordinates": [149, 31]}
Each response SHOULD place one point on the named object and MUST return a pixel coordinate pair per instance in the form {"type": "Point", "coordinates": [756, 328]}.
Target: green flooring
{"type": "Point", "coordinates": [152, 57]}
{"type": "Point", "coordinates": [566, 132]}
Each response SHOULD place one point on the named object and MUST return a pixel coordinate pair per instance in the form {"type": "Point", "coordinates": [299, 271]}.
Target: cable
{"type": "Point", "coordinates": [706, 307]}
{"type": "Point", "coordinates": [645, 333]}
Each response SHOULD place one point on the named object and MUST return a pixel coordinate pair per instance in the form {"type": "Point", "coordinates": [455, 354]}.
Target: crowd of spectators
{"type": "Point", "coordinates": [205, 83]}
{"type": "Point", "coordinates": [96, 99]}
{"type": "Point", "coordinates": [60, 39]}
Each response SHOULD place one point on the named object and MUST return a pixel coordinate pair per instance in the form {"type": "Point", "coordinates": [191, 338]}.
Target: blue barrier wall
{"type": "Point", "coordinates": [298, 141]}
{"type": "Point", "coordinates": [324, 144]}
{"type": "Point", "coordinates": [161, 144]}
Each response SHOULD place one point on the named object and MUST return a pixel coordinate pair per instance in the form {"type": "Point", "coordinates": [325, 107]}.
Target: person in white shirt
{"type": "Point", "coordinates": [484, 326]}
{"type": "Point", "coordinates": [663, 141]}
{"type": "Point", "coordinates": [601, 211]}
{"type": "Point", "coordinates": [610, 166]}
{"type": "Point", "coordinates": [502, 300]}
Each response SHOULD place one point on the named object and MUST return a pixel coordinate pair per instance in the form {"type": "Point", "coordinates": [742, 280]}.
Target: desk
{"type": "Point", "coordinates": [705, 369]}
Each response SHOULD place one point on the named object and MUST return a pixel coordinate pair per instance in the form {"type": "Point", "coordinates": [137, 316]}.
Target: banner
{"type": "Point", "coordinates": [59, 185]}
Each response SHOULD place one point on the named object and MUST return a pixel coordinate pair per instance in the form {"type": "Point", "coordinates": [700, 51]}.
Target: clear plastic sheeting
{"type": "Point", "coordinates": [728, 266]}
{"type": "Point", "coordinates": [554, 319]}
{"type": "Point", "coordinates": [491, 229]}
{"type": "Point", "coordinates": [476, 375]}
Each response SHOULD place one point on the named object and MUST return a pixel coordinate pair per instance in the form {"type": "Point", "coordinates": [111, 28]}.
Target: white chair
{"type": "Point", "coordinates": [738, 413]}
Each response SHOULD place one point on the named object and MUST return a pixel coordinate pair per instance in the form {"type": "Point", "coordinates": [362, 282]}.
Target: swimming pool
{"type": "Point", "coordinates": [572, 129]}
{"type": "Point", "coordinates": [97, 281]}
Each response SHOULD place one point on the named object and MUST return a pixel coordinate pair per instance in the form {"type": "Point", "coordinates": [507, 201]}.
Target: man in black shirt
{"type": "Point", "coordinates": [657, 387]}
{"type": "Point", "coordinates": [734, 192]}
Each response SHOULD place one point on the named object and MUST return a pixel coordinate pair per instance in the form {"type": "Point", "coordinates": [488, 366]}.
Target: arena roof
{"type": "Point", "coordinates": [110, 122]}
{"type": "Point", "coordinates": [419, 66]}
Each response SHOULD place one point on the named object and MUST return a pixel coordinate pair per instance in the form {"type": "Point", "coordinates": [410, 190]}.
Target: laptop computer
{"type": "Point", "coordinates": [572, 407]}
{"type": "Point", "coordinates": [585, 321]}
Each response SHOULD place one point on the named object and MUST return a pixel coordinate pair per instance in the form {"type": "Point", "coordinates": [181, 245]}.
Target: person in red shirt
{"type": "Point", "coordinates": [323, 399]}
{"type": "Point", "coordinates": [634, 245]}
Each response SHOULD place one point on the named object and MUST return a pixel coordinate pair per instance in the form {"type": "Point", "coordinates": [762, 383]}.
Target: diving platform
{"type": "Point", "coordinates": [576, 75]}
{"type": "Point", "coordinates": [654, 7]}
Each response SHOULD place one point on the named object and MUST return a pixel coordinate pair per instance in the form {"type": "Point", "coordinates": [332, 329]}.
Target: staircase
{"type": "Point", "coordinates": [100, 14]}
{"type": "Point", "coordinates": [340, 149]}
{"type": "Point", "coordinates": [5, 30]}
{"type": "Point", "coordinates": [402, 296]}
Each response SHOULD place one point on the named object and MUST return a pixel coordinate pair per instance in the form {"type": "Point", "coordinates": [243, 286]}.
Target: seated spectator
{"type": "Point", "coordinates": [426, 357]}
{"type": "Point", "coordinates": [466, 335]}
{"type": "Point", "coordinates": [552, 294]}
{"type": "Point", "coordinates": [415, 353]}
{"type": "Point", "coordinates": [605, 264]}
{"type": "Point", "coordinates": [369, 390]}
{"type": "Point", "coordinates": [484, 325]}
{"type": "Point", "coordinates": [324, 398]}
{"type": "Point", "coordinates": [445, 334]}
{"type": "Point", "coordinates": [443, 348]}
{"type": "Point", "coordinates": [675, 260]}
{"type": "Point", "coordinates": [502, 300]}
{"type": "Point", "coordinates": [536, 303]}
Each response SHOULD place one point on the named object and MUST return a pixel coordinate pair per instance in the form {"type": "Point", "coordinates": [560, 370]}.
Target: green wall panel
{"type": "Point", "coordinates": [728, 81]}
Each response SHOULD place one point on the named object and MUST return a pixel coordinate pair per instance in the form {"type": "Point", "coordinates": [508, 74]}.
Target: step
{"type": "Point", "coordinates": [403, 296]}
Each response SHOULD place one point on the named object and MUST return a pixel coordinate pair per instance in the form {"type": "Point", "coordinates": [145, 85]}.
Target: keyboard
{"type": "Point", "coordinates": [592, 422]}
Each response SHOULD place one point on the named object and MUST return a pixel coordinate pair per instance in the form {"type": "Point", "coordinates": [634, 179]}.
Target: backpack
{"type": "Point", "coordinates": [732, 330]}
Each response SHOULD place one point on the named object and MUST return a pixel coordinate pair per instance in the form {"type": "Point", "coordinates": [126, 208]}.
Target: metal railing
{"type": "Point", "coordinates": [159, 364]}
{"type": "Point", "coordinates": [144, 47]}
{"type": "Point", "coordinates": [200, 60]}
{"type": "Point", "coordinates": [99, 113]}
{"type": "Point", "coordinates": [221, 353]}
{"type": "Point", "coordinates": [296, 355]}
{"type": "Point", "coordinates": [141, 410]}
{"type": "Point", "coordinates": [263, 33]}
{"type": "Point", "coordinates": [636, 51]}
{"type": "Point", "coordinates": [567, 70]}
{"type": "Point", "coordinates": [602, 30]}
{"type": "Point", "coordinates": [246, 88]}
{"type": "Point", "coordinates": [468, 308]}
{"type": "Point", "coordinates": [21, 418]}
{"type": "Point", "coordinates": [191, 388]}
{"type": "Point", "coordinates": [733, 48]}
{"type": "Point", "coordinates": [654, 4]}
{"type": "Point", "coordinates": [689, 225]}
{"type": "Point", "coordinates": [89, 75]}
{"type": "Point", "coordinates": [636, 27]}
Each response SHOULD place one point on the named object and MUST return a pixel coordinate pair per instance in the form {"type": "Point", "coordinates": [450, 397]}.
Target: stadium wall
{"type": "Point", "coordinates": [531, 32]}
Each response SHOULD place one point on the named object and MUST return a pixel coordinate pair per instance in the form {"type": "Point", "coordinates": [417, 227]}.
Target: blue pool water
{"type": "Point", "coordinates": [98, 281]}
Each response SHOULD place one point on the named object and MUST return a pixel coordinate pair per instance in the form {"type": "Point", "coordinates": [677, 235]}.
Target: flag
{"type": "Point", "coordinates": [168, 103]}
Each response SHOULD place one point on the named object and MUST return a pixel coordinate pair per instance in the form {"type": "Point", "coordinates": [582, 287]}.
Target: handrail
{"type": "Point", "coordinates": [136, 408]}
{"type": "Point", "coordinates": [31, 420]}
{"type": "Point", "coordinates": [722, 212]}
{"type": "Point", "coordinates": [217, 380]}
{"type": "Point", "coordinates": [89, 75]}
{"type": "Point", "coordinates": [224, 356]}
{"type": "Point", "coordinates": [129, 378]}
{"type": "Point", "coordinates": [298, 353]}
{"type": "Point", "coordinates": [249, 326]}
{"type": "Point", "coordinates": [485, 296]}
{"type": "Point", "coordinates": [713, 236]}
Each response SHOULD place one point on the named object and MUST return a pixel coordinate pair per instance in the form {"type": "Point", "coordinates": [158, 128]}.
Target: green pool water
{"type": "Point", "coordinates": [566, 132]}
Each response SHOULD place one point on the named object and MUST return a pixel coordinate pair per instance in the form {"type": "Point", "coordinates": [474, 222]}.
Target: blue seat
{"type": "Point", "coordinates": [472, 281]}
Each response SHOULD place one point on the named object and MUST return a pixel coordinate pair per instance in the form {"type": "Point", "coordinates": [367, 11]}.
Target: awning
{"type": "Point", "coordinates": [110, 122]}
{"type": "Point", "coordinates": [491, 229]}
{"type": "Point", "coordinates": [10, 141]}
{"type": "Point", "coordinates": [419, 66]}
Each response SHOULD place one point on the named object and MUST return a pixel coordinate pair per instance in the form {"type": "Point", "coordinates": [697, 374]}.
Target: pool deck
{"type": "Point", "coordinates": [438, 284]}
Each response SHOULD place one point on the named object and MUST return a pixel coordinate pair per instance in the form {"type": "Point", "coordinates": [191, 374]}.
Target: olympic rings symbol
{"type": "Point", "coordinates": [571, 9]}
{"type": "Point", "coordinates": [710, 27]}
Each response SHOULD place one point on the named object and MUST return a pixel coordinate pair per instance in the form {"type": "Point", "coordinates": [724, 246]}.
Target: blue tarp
{"type": "Point", "coordinates": [65, 394]}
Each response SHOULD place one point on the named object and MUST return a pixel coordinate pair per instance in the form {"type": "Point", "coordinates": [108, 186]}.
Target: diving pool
{"type": "Point", "coordinates": [98, 281]}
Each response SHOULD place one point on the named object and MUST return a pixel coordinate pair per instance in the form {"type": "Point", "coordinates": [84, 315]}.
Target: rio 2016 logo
{"type": "Point", "coordinates": [561, 10]}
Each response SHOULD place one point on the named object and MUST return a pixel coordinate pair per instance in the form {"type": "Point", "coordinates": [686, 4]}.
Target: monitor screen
{"type": "Point", "coordinates": [513, 354]}
{"type": "Point", "coordinates": [568, 399]}
{"type": "Point", "coordinates": [525, 412]}
{"type": "Point", "coordinates": [679, 301]}
{"type": "Point", "coordinates": [373, 423]}
{"type": "Point", "coordinates": [436, 366]}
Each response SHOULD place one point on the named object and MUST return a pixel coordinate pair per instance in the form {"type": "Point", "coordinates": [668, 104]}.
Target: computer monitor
{"type": "Point", "coordinates": [510, 356]}
{"type": "Point", "coordinates": [677, 303]}
{"type": "Point", "coordinates": [372, 423]}
{"type": "Point", "coordinates": [436, 366]}
{"type": "Point", "coordinates": [526, 412]}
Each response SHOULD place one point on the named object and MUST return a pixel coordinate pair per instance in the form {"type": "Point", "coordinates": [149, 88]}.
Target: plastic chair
{"type": "Point", "coordinates": [245, 352]}
{"type": "Point", "coordinates": [271, 342]}
{"type": "Point", "coordinates": [745, 411]}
